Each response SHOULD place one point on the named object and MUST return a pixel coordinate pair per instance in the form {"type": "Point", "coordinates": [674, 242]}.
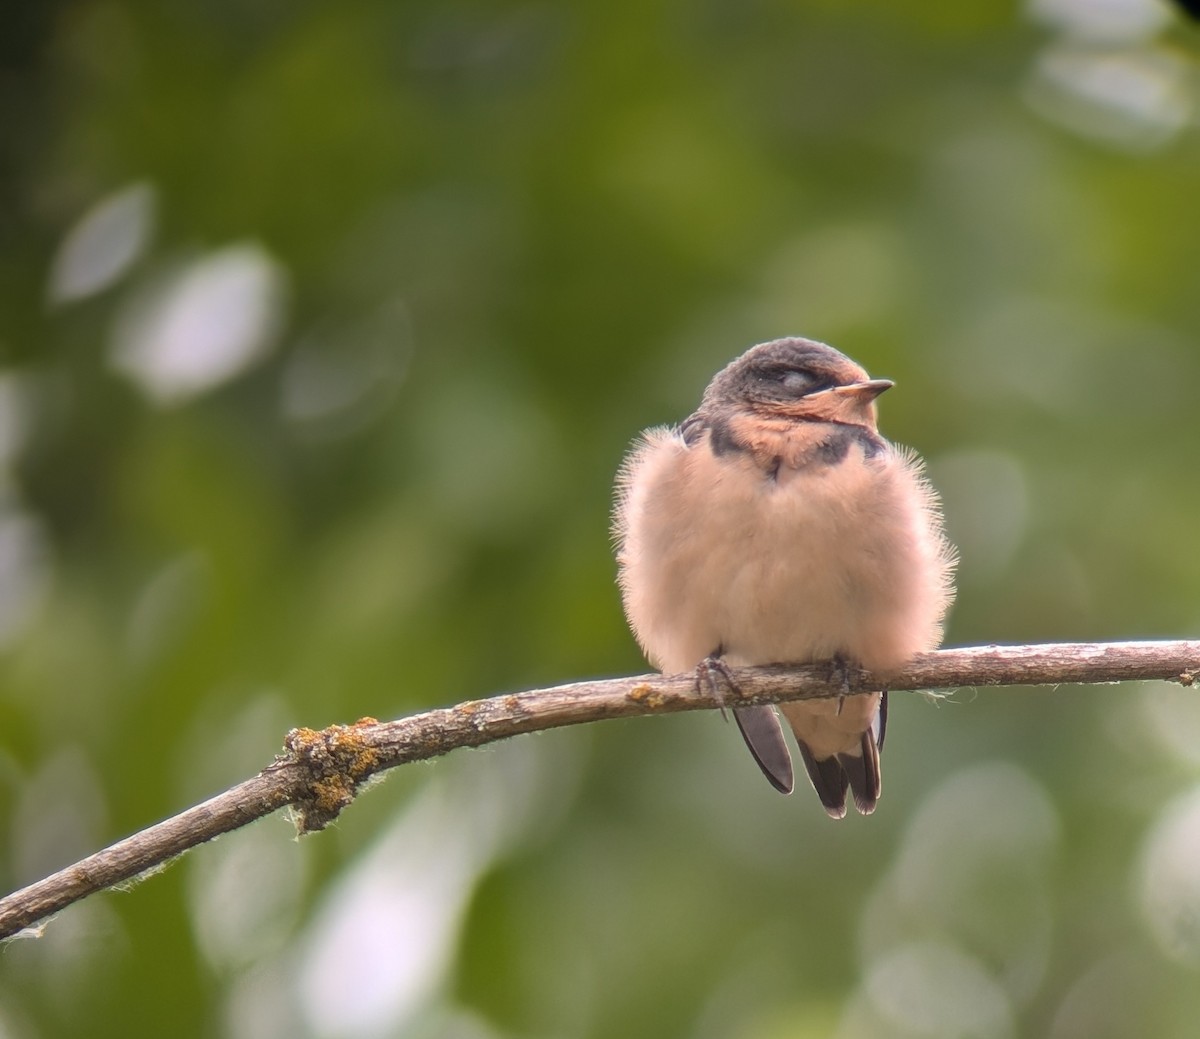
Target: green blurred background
{"type": "Point", "coordinates": [324, 328]}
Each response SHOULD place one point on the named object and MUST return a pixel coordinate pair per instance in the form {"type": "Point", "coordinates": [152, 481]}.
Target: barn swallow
{"type": "Point", "coordinates": [775, 525]}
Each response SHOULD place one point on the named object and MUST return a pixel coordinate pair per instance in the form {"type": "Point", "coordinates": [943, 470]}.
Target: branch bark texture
{"type": "Point", "coordinates": [321, 771]}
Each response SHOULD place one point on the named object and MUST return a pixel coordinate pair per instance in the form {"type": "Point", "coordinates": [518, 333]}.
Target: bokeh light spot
{"type": "Point", "coordinates": [202, 325]}
{"type": "Point", "coordinates": [926, 989]}
{"type": "Point", "coordinates": [104, 244]}
{"type": "Point", "coordinates": [1169, 881]}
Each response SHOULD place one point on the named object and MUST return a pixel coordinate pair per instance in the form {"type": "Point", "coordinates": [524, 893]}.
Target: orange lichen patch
{"type": "Point", "coordinates": [338, 759]}
{"type": "Point", "coordinates": [301, 740]}
{"type": "Point", "coordinates": [353, 750]}
{"type": "Point", "coordinates": [515, 706]}
{"type": "Point", "coordinates": [646, 694]}
{"type": "Point", "coordinates": [331, 795]}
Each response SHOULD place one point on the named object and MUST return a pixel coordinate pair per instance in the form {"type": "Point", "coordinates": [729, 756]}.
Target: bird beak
{"type": "Point", "coordinates": [865, 391]}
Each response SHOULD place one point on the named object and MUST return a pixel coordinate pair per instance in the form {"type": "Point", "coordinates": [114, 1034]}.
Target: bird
{"type": "Point", "coordinates": [776, 525]}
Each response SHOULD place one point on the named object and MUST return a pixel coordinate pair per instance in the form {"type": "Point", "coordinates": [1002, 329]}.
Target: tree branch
{"type": "Point", "coordinates": [320, 773]}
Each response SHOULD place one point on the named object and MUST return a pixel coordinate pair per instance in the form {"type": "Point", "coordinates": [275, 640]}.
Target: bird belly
{"type": "Point", "coordinates": [815, 561]}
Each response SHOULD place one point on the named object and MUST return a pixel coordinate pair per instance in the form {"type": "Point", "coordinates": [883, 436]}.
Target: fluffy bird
{"type": "Point", "coordinates": [775, 525]}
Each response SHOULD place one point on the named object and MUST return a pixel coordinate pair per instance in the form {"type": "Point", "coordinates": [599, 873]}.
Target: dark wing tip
{"type": "Point", "coordinates": [835, 811]}
{"type": "Point", "coordinates": [859, 774]}
{"type": "Point", "coordinates": [764, 736]}
{"type": "Point", "coordinates": [864, 774]}
{"type": "Point", "coordinates": [865, 803]}
{"type": "Point", "coordinates": [828, 780]}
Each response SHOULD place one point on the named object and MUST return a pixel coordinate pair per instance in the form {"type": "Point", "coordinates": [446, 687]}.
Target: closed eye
{"type": "Point", "coordinates": [798, 382]}
{"type": "Point", "coordinates": [795, 382]}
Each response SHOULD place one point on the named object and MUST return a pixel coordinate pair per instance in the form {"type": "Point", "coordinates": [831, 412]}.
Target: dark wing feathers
{"type": "Point", "coordinates": [829, 781]}
{"type": "Point", "coordinates": [764, 736]}
{"type": "Point", "coordinates": [857, 774]}
{"type": "Point", "coordinates": [860, 774]}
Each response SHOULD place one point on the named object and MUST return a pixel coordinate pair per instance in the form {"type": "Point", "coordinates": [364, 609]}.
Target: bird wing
{"type": "Point", "coordinates": [764, 736]}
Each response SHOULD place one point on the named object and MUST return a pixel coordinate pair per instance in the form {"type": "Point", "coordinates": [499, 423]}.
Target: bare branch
{"type": "Point", "coordinates": [321, 772]}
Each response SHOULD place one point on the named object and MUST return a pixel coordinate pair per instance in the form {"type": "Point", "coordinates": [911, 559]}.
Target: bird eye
{"type": "Point", "coordinates": [797, 382]}
{"type": "Point", "coordinates": [786, 382]}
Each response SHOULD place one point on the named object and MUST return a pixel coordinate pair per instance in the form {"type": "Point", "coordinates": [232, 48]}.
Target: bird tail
{"type": "Point", "coordinates": [858, 773]}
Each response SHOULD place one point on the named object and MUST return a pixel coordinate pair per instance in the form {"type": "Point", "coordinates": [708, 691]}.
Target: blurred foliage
{"type": "Point", "coordinates": [323, 329]}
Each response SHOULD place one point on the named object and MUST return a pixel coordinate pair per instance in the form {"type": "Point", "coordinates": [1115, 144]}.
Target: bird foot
{"type": "Point", "coordinates": [840, 669]}
{"type": "Point", "coordinates": [706, 679]}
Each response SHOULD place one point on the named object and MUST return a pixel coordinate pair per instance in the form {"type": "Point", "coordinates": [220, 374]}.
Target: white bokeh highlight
{"type": "Point", "coordinates": [1109, 74]}
{"type": "Point", "coordinates": [379, 949]}
{"type": "Point", "coordinates": [1108, 21]}
{"type": "Point", "coordinates": [201, 325]}
{"type": "Point", "coordinates": [245, 895]}
{"type": "Point", "coordinates": [16, 416]}
{"type": "Point", "coordinates": [971, 881]}
{"type": "Point", "coordinates": [935, 991]}
{"type": "Point", "coordinates": [106, 241]}
{"type": "Point", "coordinates": [59, 817]}
{"type": "Point", "coordinates": [1168, 881]}
{"type": "Point", "coordinates": [1132, 99]}
{"type": "Point", "coordinates": [338, 379]}
{"type": "Point", "coordinates": [25, 571]}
